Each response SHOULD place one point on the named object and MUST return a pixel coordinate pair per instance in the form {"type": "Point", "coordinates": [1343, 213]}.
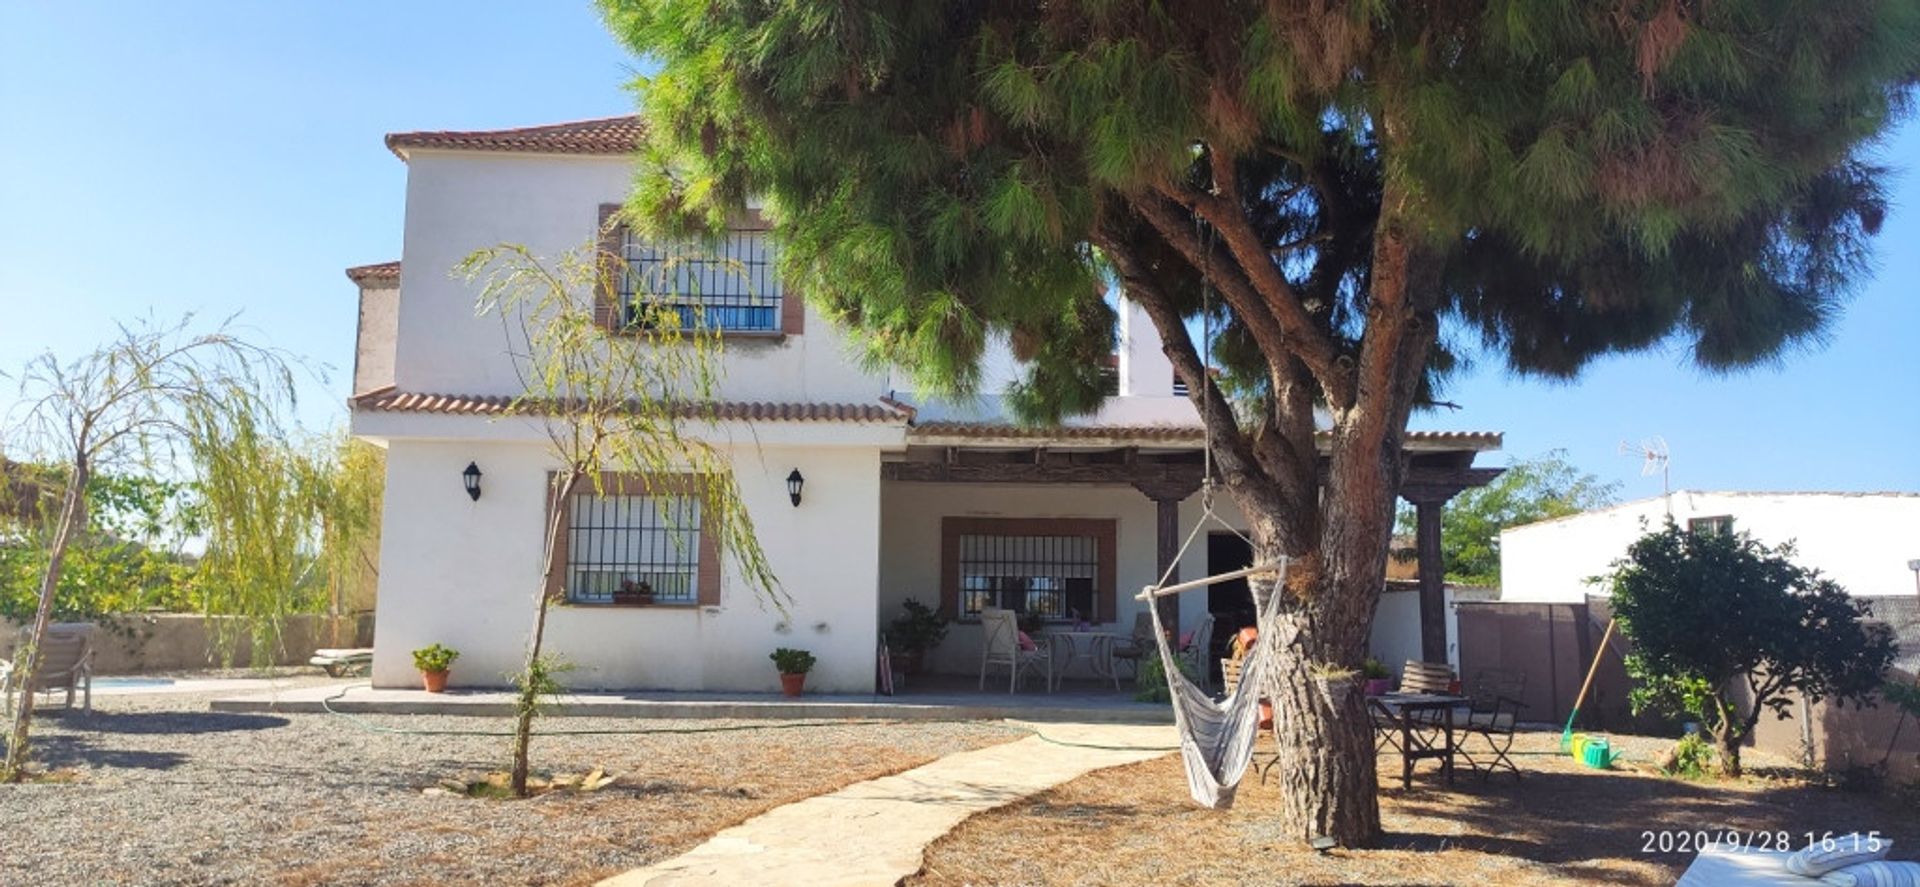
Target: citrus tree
{"type": "Point", "coordinates": [1725, 627]}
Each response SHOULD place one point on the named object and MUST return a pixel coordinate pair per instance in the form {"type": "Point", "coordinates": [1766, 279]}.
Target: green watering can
{"type": "Point", "coordinates": [1592, 751]}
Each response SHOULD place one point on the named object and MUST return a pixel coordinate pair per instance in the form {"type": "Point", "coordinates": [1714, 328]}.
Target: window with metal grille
{"type": "Point", "coordinates": [621, 545]}
{"type": "Point", "coordinates": [1052, 577]}
{"type": "Point", "coordinates": [730, 287]}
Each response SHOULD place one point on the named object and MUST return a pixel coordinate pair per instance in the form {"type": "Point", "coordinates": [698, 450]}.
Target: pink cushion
{"type": "Point", "coordinates": [1186, 640]}
{"type": "Point", "coordinates": [1026, 643]}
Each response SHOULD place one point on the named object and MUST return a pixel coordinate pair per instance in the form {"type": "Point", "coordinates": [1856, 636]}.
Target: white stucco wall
{"type": "Point", "coordinates": [464, 573]}
{"type": "Point", "coordinates": [1862, 541]}
{"type": "Point", "coordinates": [458, 202]}
{"type": "Point", "coordinates": [1144, 367]}
{"type": "Point", "coordinates": [379, 326]}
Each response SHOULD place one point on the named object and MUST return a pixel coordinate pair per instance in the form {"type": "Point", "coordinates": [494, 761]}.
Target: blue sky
{"type": "Point", "coordinates": [224, 157]}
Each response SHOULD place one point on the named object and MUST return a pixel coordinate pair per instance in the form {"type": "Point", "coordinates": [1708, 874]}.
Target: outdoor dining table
{"type": "Point", "coordinates": [1412, 715]}
{"type": "Point", "coordinates": [1094, 646]}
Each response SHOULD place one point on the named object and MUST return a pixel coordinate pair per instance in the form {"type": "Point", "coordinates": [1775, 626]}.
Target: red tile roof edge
{"type": "Point", "coordinates": [377, 271]}
{"type": "Point", "coordinates": [1159, 432]}
{"type": "Point", "coordinates": [389, 400]}
{"type": "Point", "coordinates": [600, 135]}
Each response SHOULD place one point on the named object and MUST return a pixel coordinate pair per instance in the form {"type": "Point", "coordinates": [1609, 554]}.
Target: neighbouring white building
{"type": "Point", "coordinates": [1864, 541]}
{"type": "Point", "coordinates": [901, 497]}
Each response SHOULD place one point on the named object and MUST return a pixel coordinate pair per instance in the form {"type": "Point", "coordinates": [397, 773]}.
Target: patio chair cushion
{"type": "Point", "coordinates": [1879, 873]}
{"type": "Point", "coordinates": [1027, 644]}
{"type": "Point", "coordinates": [1843, 851]}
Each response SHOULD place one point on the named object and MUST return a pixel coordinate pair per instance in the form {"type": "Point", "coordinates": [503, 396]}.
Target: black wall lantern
{"type": "Point", "coordinates": [471, 478]}
{"type": "Point", "coordinates": [794, 483]}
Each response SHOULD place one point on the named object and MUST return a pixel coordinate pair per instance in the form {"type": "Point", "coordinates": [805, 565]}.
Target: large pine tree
{"type": "Point", "coordinates": [1338, 180]}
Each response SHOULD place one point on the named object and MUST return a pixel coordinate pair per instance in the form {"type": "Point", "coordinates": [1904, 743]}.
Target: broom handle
{"type": "Point", "coordinates": [1591, 671]}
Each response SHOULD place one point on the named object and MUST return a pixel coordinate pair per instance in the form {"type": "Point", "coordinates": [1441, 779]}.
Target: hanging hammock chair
{"type": "Point", "coordinates": [1216, 736]}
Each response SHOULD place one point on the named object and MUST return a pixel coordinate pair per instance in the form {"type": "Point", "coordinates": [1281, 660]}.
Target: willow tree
{"type": "Point", "coordinates": [1331, 181]}
{"type": "Point", "coordinates": [144, 398]}
{"type": "Point", "coordinates": [617, 399]}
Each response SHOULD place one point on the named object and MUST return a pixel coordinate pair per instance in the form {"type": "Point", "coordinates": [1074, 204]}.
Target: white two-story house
{"type": "Point", "coordinates": [899, 497]}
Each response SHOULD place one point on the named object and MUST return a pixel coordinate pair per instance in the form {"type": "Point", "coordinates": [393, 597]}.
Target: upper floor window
{"type": "Point", "coordinates": [1718, 525]}
{"type": "Point", "coordinates": [730, 287]}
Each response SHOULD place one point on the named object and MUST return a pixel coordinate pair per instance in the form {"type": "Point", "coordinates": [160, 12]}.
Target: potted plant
{"type": "Point", "coordinates": [919, 629]}
{"type": "Point", "coordinates": [633, 593]}
{"type": "Point", "coordinates": [1379, 679]}
{"type": "Point", "coordinates": [433, 661]}
{"type": "Point", "coordinates": [793, 665]}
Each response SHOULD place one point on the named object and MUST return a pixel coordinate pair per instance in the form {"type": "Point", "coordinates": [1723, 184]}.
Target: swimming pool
{"type": "Point", "coordinates": [110, 683]}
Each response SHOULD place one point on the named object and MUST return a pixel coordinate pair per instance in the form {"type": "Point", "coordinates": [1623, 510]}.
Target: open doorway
{"type": "Point", "coordinates": [1231, 606]}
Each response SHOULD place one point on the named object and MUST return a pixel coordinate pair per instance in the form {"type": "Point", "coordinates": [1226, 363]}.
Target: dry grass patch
{"type": "Point", "coordinates": [1562, 824]}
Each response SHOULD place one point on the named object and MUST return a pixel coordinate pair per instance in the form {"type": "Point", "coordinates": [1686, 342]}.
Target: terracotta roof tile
{"type": "Point", "coordinates": [605, 135]}
{"type": "Point", "coordinates": [1165, 433]}
{"type": "Point", "coordinates": [388, 400]}
{"type": "Point", "coordinates": [382, 272]}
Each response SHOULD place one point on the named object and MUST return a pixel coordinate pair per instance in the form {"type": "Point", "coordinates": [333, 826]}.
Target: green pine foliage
{"type": "Point", "coordinates": [1597, 177]}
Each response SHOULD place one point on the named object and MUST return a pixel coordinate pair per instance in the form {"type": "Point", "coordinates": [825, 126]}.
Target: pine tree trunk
{"type": "Point", "coordinates": [72, 514]}
{"type": "Point", "coordinates": [1326, 768]}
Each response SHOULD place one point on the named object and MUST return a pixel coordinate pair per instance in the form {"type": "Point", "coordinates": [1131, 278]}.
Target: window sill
{"type": "Point", "coordinates": [771, 336]}
{"type": "Point", "coordinates": [609, 605]}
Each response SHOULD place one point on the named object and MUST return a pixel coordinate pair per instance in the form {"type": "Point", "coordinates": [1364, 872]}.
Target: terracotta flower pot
{"type": "Point", "coordinates": [791, 684]}
{"type": "Point", "coordinates": [435, 681]}
{"type": "Point", "coordinates": [1266, 715]}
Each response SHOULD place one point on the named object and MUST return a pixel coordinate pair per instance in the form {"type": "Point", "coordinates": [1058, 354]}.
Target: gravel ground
{"type": "Point", "coordinates": [154, 789]}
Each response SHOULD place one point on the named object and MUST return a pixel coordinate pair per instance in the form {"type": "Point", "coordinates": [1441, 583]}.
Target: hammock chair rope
{"type": "Point", "coordinates": [1216, 736]}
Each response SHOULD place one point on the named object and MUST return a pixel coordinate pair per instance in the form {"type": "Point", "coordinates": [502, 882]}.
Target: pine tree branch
{"type": "Point", "coordinates": [1175, 225]}
{"type": "Point", "coordinates": [1301, 336]}
{"type": "Point", "coordinates": [1233, 445]}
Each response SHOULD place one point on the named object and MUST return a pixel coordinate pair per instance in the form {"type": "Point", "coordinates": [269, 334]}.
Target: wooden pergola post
{"type": "Point", "coordinates": [1167, 494]}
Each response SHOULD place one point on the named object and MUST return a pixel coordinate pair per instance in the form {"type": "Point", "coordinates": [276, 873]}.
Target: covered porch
{"type": "Point", "coordinates": [1065, 525]}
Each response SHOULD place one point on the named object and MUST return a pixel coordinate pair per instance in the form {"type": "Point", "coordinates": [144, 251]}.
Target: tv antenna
{"type": "Point", "coordinates": [1654, 459]}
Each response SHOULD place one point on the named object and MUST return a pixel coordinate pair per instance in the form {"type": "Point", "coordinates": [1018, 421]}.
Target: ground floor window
{"type": "Point", "coordinates": [1056, 570]}
{"type": "Point", "coordinates": [632, 541]}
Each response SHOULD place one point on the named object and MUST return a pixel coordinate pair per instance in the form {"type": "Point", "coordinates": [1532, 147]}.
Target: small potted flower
{"type": "Point", "coordinates": [1379, 679]}
{"type": "Point", "coordinates": [433, 662]}
{"type": "Point", "coordinates": [634, 594]}
{"type": "Point", "coordinates": [793, 665]}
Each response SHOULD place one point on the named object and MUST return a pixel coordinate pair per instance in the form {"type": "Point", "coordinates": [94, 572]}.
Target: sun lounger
{"type": "Point", "coordinates": [343, 662]}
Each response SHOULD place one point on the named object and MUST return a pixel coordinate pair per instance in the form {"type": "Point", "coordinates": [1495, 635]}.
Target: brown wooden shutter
{"type": "Point", "coordinates": [612, 261]}
{"type": "Point", "coordinates": [557, 582]}
{"type": "Point", "coordinates": [793, 311]}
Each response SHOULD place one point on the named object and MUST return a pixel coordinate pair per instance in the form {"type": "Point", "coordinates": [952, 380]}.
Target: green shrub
{"type": "Point", "coordinates": [920, 629]}
{"type": "Point", "coordinates": [1692, 755]}
{"type": "Point", "coordinates": [1152, 684]}
{"type": "Point", "coordinates": [434, 658]}
{"type": "Point", "coordinates": [791, 661]}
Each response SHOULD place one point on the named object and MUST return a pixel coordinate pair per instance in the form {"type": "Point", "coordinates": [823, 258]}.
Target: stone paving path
{"type": "Point", "coordinates": [872, 834]}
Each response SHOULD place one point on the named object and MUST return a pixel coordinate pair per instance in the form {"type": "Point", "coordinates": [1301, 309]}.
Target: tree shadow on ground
{"type": "Point", "coordinates": [74, 750]}
{"type": "Point", "coordinates": [158, 722]}
{"type": "Point", "coordinates": [1571, 819]}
